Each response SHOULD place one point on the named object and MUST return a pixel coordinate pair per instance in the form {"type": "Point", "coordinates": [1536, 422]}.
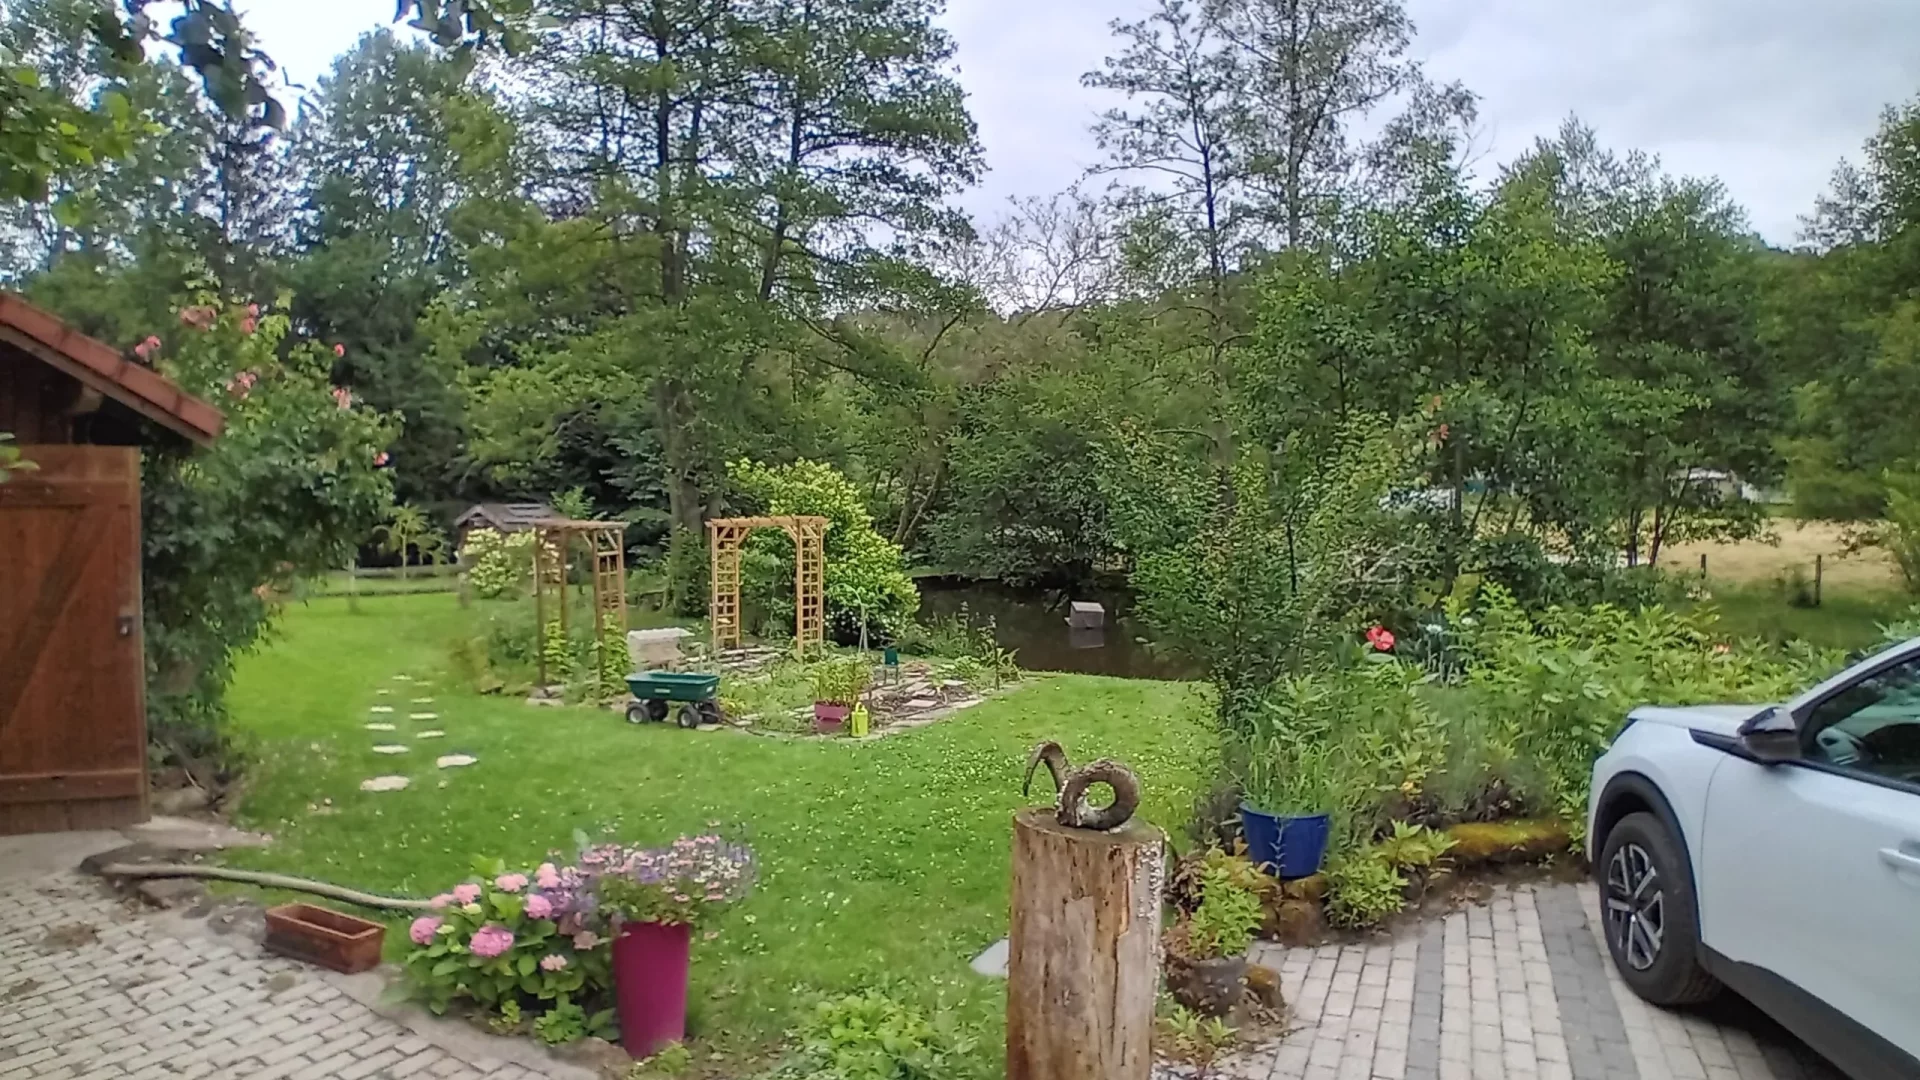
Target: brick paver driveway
{"type": "Point", "coordinates": [1519, 989]}
{"type": "Point", "coordinates": [90, 986]}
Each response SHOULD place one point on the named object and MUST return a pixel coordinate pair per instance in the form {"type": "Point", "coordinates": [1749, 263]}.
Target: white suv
{"type": "Point", "coordinates": [1775, 851]}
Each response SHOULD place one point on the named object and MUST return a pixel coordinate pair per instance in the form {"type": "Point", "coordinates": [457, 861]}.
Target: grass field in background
{"type": "Point", "coordinates": [883, 863]}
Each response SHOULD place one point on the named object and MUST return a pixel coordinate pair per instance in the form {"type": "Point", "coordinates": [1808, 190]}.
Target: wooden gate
{"type": "Point", "coordinates": [73, 742]}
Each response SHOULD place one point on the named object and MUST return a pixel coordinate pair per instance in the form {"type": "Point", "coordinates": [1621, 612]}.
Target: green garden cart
{"type": "Point", "coordinates": [659, 691]}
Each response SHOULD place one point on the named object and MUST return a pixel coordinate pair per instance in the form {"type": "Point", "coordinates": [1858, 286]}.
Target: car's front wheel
{"type": "Point", "coordinates": [1648, 909]}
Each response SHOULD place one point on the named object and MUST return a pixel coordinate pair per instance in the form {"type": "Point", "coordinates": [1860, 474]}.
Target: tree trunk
{"type": "Point", "coordinates": [1083, 963]}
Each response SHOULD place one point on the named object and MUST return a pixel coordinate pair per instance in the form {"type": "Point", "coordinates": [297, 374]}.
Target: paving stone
{"type": "Point", "coordinates": [384, 783]}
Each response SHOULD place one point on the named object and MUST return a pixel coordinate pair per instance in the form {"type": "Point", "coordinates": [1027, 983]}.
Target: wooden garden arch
{"type": "Point", "coordinates": [552, 542]}
{"type": "Point", "coordinates": [724, 539]}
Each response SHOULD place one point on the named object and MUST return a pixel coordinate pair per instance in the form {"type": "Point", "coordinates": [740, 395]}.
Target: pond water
{"type": "Point", "coordinates": [1033, 623]}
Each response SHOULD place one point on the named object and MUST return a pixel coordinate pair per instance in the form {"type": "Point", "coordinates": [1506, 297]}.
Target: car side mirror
{"type": "Point", "coordinates": [1771, 747]}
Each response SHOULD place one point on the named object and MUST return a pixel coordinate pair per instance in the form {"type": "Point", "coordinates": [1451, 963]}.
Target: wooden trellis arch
{"type": "Point", "coordinates": [724, 539]}
{"type": "Point", "coordinates": [552, 548]}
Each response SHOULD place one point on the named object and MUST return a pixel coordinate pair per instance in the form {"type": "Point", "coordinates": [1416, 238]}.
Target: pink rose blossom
{"type": "Point", "coordinates": [147, 348]}
{"type": "Point", "coordinates": [490, 941]}
{"type": "Point", "coordinates": [247, 325]}
{"type": "Point", "coordinates": [510, 882]}
{"type": "Point", "coordinates": [547, 877]}
{"type": "Point", "coordinates": [380, 460]}
{"type": "Point", "coordinates": [553, 962]}
{"type": "Point", "coordinates": [423, 929]}
{"type": "Point", "coordinates": [539, 907]}
{"type": "Point", "coordinates": [441, 901]}
{"type": "Point", "coordinates": [241, 384]}
{"type": "Point", "coordinates": [253, 311]}
{"type": "Point", "coordinates": [339, 349]}
{"type": "Point", "coordinates": [1380, 638]}
{"type": "Point", "coordinates": [466, 894]}
{"type": "Point", "coordinates": [585, 940]}
{"type": "Point", "coordinates": [343, 397]}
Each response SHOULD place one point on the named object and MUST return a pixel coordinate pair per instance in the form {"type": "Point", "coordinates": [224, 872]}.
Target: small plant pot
{"type": "Point", "coordinates": [650, 962]}
{"type": "Point", "coordinates": [324, 937]}
{"type": "Point", "coordinates": [1288, 847]}
{"type": "Point", "coordinates": [1208, 987]}
{"type": "Point", "coordinates": [830, 719]}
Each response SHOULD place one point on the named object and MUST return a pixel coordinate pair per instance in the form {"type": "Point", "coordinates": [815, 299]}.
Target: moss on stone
{"type": "Point", "coordinates": [1499, 842]}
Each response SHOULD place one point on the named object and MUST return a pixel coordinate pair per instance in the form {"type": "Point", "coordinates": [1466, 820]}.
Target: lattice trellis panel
{"type": "Point", "coordinates": [552, 549]}
{"type": "Point", "coordinates": [726, 535]}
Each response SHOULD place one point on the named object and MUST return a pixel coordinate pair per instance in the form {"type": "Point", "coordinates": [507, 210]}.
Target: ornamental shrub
{"type": "Point", "coordinates": [288, 491]}
{"type": "Point", "coordinates": [865, 573]}
{"type": "Point", "coordinates": [498, 564]}
{"type": "Point", "coordinates": [508, 938]}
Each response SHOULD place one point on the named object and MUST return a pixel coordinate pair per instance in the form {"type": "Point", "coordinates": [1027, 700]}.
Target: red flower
{"type": "Point", "coordinates": [253, 311]}
{"type": "Point", "coordinates": [247, 324]}
{"type": "Point", "coordinates": [147, 348]}
{"type": "Point", "coordinates": [343, 397]}
{"type": "Point", "coordinates": [380, 460]}
{"type": "Point", "coordinates": [1380, 638]}
{"type": "Point", "coordinates": [339, 349]}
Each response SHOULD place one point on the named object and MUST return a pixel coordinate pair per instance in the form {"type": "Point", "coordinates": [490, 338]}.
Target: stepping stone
{"type": "Point", "coordinates": [455, 761]}
{"type": "Point", "coordinates": [381, 709]}
{"type": "Point", "coordinates": [384, 783]}
{"type": "Point", "coordinates": [993, 962]}
{"type": "Point", "coordinates": [423, 701]}
{"type": "Point", "coordinates": [390, 748]}
{"type": "Point", "coordinates": [403, 678]}
{"type": "Point", "coordinates": [379, 727]}
{"type": "Point", "coordinates": [428, 734]}
{"type": "Point", "coordinates": [423, 716]}
{"type": "Point", "coordinates": [922, 703]}
{"type": "Point", "coordinates": [383, 691]}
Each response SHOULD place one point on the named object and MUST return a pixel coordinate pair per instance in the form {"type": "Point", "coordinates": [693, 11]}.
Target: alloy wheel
{"type": "Point", "coordinates": [1636, 907]}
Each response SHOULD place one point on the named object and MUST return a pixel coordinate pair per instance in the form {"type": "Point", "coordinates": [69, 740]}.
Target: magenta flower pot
{"type": "Point", "coordinates": [650, 985]}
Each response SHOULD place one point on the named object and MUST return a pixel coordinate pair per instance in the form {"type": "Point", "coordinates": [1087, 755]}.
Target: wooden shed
{"type": "Point", "coordinates": [73, 744]}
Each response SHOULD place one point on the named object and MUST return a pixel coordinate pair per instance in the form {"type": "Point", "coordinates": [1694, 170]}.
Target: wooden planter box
{"type": "Point", "coordinates": [325, 937]}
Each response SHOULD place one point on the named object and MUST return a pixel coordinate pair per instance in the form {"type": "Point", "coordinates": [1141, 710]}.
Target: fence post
{"type": "Point", "coordinates": [1819, 575]}
{"type": "Point", "coordinates": [1703, 564]}
{"type": "Point", "coordinates": [353, 587]}
{"type": "Point", "coordinates": [1083, 960]}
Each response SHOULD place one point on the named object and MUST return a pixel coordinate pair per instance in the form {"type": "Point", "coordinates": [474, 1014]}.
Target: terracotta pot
{"type": "Point", "coordinates": [325, 937]}
{"type": "Point", "coordinates": [1208, 987]}
{"type": "Point", "coordinates": [650, 963]}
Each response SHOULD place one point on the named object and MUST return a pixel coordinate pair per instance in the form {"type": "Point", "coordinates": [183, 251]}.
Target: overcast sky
{"type": "Point", "coordinates": [1768, 95]}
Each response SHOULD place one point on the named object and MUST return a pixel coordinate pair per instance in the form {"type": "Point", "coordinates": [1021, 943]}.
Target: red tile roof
{"type": "Point", "coordinates": [43, 336]}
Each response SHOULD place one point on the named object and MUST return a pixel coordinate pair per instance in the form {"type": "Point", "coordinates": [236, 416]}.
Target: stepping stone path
{"type": "Point", "coordinates": [447, 761]}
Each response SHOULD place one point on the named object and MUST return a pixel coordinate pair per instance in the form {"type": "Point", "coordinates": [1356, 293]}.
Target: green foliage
{"type": "Point", "coordinates": [538, 966]}
{"type": "Point", "coordinates": [670, 1060]}
{"type": "Point", "coordinates": [565, 1022]}
{"type": "Point", "coordinates": [870, 1036]}
{"type": "Point", "coordinates": [498, 564]}
{"type": "Point", "coordinates": [1363, 888]}
{"type": "Point", "coordinates": [408, 530]}
{"type": "Point", "coordinates": [1413, 847]}
{"type": "Point", "coordinates": [286, 492]}
{"type": "Point", "coordinates": [1190, 1036]}
{"type": "Point", "coordinates": [841, 682]}
{"type": "Point", "coordinates": [865, 574]}
{"type": "Point", "coordinates": [1229, 913]}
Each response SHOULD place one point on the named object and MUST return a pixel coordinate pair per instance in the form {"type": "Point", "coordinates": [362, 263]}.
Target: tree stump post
{"type": "Point", "coordinates": [1083, 962]}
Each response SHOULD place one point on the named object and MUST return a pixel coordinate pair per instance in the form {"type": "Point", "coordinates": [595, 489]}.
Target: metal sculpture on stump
{"type": "Point", "coordinates": [1083, 953]}
{"type": "Point", "coordinates": [726, 536]}
{"type": "Point", "coordinates": [552, 544]}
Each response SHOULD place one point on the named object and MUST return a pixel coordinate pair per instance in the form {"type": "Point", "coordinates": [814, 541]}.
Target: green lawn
{"type": "Point", "coordinates": [1847, 618]}
{"type": "Point", "coordinates": [882, 863]}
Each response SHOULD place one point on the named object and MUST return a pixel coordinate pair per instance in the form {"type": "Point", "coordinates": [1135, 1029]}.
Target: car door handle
{"type": "Point", "coordinates": [1900, 860]}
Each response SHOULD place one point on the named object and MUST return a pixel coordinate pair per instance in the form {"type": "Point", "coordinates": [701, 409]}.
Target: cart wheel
{"type": "Point", "coordinates": [709, 712]}
{"type": "Point", "coordinates": [689, 715]}
{"type": "Point", "coordinates": [637, 713]}
{"type": "Point", "coordinates": [654, 709]}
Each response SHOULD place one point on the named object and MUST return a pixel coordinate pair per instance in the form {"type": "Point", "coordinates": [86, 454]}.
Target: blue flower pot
{"type": "Point", "coordinates": [1291, 847]}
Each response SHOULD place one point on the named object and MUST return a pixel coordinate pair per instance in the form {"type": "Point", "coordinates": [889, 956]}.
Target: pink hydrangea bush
{"type": "Point", "coordinates": [499, 938]}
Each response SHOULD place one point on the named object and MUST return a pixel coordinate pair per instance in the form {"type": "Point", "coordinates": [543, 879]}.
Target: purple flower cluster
{"type": "Point", "coordinates": [675, 881]}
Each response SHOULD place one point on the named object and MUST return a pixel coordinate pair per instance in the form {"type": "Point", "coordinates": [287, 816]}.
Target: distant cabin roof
{"type": "Point", "coordinates": [505, 516]}
{"type": "Point", "coordinates": [40, 334]}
